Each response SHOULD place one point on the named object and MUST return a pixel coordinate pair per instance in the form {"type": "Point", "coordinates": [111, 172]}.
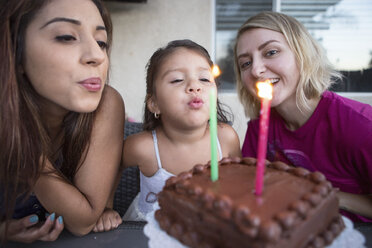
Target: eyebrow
{"type": "Point", "coordinates": [259, 48]}
{"type": "Point", "coordinates": [69, 20]}
{"type": "Point", "coordinates": [266, 43]}
{"type": "Point", "coordinates": [182, 70]}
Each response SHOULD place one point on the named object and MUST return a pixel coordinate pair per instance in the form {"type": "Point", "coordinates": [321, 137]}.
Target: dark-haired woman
{"type": "Point", "coordinates": [61, 125]}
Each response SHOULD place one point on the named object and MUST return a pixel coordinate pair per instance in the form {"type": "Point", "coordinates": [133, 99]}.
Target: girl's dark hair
{"type": "Point", "coordinates": [25, 141]}
{"type": "Point", "coordinates": [153, 66]}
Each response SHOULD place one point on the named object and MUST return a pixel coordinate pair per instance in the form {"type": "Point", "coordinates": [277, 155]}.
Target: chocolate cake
{"type": "Point", "coordinates": [296, 209]}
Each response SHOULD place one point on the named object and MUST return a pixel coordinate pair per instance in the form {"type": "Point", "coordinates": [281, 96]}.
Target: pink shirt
{"type": "Point", "coordinates": [336, 140]}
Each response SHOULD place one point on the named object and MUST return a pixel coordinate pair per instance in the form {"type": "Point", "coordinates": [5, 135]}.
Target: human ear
{"type": "Point", "coordinates": [152, 105]}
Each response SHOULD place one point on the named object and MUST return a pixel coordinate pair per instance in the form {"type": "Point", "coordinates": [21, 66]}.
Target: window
{"type": "Point", "coordinates": [343, 27]}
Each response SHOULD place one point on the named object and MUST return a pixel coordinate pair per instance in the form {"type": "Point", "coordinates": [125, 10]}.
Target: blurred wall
{"type": "Point", "coordinates": [141, 28]}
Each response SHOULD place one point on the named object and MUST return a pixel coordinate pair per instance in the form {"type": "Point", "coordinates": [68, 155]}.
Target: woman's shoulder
{"type": "Point", "coordinates": [109, 119]}
{"type": "Point", "coordinates": [345, 104]}
{"type": "Point", "coordinates": [350, 118]}
{"type": "Point", "coordinates": [111, 107]}
{"type": "Point", "coordinates": [111, 97]}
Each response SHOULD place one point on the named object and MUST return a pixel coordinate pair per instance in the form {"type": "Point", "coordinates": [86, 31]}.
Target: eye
{"type": "Point", "coordinates": [102, 44]}
{"type": "Point", "coordinates": [271, 53]}
{"type": "Point", "coordinates": [245, 65]}
{"type": "Point", "coordinates": [65, 38]}
{"type": "Point", "coordinates": [176, 80]}
{"type": "Point", "coordinates": [205, 80]}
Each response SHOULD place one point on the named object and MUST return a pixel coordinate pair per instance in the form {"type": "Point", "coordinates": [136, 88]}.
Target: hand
{"type": "Point", "coordinates": [29, 229]}
{"type": "Point", "coordinates": [356, 203]}
{"type": "Point", "coordinates": [110, 219]}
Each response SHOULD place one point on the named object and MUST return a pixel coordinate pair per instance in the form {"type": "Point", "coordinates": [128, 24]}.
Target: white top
{"type": "Point", "coordinates": [150, 187]}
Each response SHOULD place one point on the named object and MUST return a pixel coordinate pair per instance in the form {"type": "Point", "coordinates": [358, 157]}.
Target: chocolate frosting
{"type": "Point", "coordinates": [292, 198]}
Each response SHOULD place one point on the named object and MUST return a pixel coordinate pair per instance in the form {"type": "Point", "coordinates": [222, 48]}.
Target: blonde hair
{"type": "Point", "coordinates": [316, 72]}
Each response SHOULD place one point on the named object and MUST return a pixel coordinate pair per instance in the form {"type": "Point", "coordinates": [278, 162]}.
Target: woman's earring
{"type": "Point", "coordinates": [156, 115]}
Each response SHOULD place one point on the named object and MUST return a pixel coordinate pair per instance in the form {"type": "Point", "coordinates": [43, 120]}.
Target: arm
{"type": "Point", "coordinates": [110, 218]}
{"type": "Point", "coordinates": [357, 204]}
{"type": "Point", "coordinates": [82, 203]}
{"type": "Point", "coordinates": [229, 139]}
{"type": "Point", "coordinates": [357, 152]}
{"type": "Point", "coordinates": [139, 151]}
{"type": "Point", "coordinates": [129, 155]}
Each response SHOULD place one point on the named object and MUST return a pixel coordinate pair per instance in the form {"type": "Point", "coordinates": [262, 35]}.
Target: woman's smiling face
{"type": "Point", "coordinates": [265, 54]}
{"type": "Point", "coordinates": [65, 55]}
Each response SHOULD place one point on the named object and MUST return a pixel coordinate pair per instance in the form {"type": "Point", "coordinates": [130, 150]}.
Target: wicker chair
{"type": "Point", "coordinates": [129, 184]}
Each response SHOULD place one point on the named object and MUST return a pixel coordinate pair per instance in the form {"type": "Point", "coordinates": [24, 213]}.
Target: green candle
{"type": "Point", "coordinates": [213, 134]}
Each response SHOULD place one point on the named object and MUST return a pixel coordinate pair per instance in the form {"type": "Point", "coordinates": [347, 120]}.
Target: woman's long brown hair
{"type": "Point", "coordinates": [25, 142]}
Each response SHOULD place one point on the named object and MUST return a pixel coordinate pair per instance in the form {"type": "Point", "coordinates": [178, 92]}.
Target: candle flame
{"type": "Point", "coordinates": [265, 89]}
{"type": "Point", "coordinates": [216, 71]}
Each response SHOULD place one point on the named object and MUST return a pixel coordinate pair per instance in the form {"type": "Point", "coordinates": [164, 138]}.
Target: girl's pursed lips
{"type": "Point", "coordinates": [196, 103]}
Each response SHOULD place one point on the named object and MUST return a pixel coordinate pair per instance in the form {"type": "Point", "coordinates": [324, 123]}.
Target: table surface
{"type": "Point", "coordinates": [130, 234]}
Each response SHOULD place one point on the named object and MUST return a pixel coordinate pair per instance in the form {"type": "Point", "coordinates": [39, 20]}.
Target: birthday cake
{"type": "Point", "coordinates": [296, 209]}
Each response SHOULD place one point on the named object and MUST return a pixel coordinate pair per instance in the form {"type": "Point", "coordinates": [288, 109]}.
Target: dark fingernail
{"type": "Point", "coordinates": [52, 216]}
{"type": "Point", "coordinates": [46, 215]}
{"type": "Point", "coordinates": [60, 219]}
{"type": "Point", "coordinates": [34, 219]}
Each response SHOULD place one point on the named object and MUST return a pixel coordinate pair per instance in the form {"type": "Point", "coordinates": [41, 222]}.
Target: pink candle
{"type": "Point", "coordinates": [265, 92]}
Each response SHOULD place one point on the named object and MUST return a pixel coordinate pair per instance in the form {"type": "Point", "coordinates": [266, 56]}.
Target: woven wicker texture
{"type": "Point", "coordinates": [129, 184]}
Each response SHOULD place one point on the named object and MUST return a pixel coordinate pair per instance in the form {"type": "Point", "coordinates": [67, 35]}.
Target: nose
{"type": "Point", "coordinates": [92, 53]}
{"type": "Point", "coordinates": [258, 68]}
{"type": "Point", "coordinates": [193, 87]}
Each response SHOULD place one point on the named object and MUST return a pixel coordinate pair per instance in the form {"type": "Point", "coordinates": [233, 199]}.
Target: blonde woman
{"type": "Point", "coordinates": [309, 127]}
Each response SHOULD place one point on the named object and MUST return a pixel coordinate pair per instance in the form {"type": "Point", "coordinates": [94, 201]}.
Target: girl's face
{"type": "Point", "coordinates": [182, 87]}
{"type": "Point", "coordinates": [65, 55]}
{"type": "Point", "coordinates": [265, 54]}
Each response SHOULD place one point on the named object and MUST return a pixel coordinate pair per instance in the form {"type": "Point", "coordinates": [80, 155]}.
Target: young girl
{"type": "Point", "coordinates": [61, 127]}
{"type": "Point", "coordinates": [176, 135]}
{"type": "Point", "coordinates": [309, 126]}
